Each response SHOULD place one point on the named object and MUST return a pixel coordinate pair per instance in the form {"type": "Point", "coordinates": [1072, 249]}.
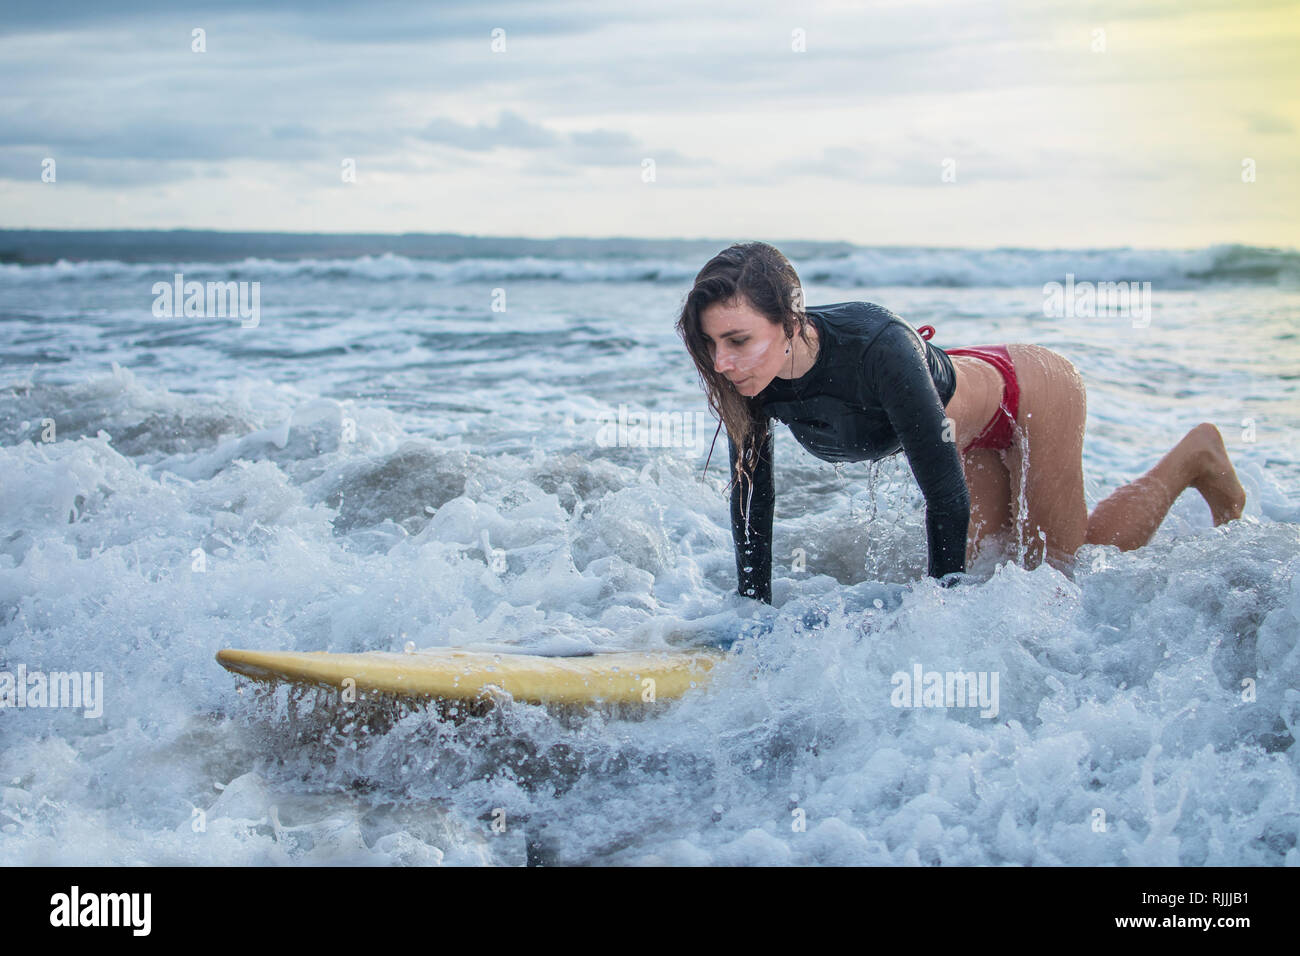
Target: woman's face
{"type": "Point", "coordinates": [745, 346]}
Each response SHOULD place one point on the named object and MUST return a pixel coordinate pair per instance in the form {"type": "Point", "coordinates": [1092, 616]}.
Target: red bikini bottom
{"type": "Point", "coordinates": [999, 433]}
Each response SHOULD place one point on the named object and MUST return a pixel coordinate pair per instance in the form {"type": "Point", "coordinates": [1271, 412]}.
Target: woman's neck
{"type": "Point", "coordinates": [802, 356]}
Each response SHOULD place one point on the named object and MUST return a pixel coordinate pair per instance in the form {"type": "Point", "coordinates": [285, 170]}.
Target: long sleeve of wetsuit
{"type": "Point", "coordinates": [896, 362]}
{"type": "Point", "coordinates": [754, 543]}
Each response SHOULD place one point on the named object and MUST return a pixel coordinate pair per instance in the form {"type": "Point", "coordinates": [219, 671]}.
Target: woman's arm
{"type": "Point", "coordinates": [895, 361]}
{"type": "Point", "coordinates": [753, 540]}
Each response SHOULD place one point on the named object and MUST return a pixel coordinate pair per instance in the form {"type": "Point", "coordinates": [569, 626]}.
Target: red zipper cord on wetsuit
{"type": "Point", "coordinates": [923, 330]}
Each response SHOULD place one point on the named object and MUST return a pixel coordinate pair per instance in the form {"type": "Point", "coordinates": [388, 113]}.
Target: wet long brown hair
{"type": "Point", "coordinates": [759, 274]}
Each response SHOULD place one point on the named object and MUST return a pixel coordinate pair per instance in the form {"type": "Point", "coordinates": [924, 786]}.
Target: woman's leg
{"type": "Point", "coordinates": [1049, 467]}
{"type": "Point", "coordinates": [1131, 515]}
{"type": "Point", "coordinates": [990, 496]}
{"type": "Point", "coordinates": [1045, 460]}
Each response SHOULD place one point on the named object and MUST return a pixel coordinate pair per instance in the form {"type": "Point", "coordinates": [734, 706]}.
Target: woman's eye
{"type": "Point", "coordinates": [739, 341]}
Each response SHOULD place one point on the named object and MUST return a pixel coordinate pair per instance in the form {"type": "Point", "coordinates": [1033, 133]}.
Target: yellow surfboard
{"type": "Point", "coordinates": [450, 674]}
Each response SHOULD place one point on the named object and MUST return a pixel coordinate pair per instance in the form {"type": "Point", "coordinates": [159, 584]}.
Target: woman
{"type": "Point", "coordinates": [853, 382]}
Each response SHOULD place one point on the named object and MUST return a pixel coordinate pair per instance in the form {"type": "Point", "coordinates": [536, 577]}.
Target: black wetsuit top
{"type": "Point", "coordinates": [876, 387]}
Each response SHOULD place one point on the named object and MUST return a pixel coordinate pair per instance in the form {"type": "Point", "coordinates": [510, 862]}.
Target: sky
{"type": "Point", "coordinates": [1035, 123]}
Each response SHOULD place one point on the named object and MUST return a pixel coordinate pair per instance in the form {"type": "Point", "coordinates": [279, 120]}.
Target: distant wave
{"type": "Point", "coordinates": [386, 267]}
{"type": "Point", "coordinates": [964, 268]}
{"type": "Point", "coordinates": [893, 266]}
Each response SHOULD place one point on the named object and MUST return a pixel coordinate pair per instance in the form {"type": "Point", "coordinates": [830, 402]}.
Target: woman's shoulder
{"type": "Point", "coordinates": [857, 322]}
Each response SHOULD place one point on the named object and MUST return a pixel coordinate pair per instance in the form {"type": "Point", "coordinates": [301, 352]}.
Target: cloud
{"type": "Point", "coordinates": [25, 166]}
{"type": "Point", "coordinates": [156, 149]}
{"type": "Point", "coordinates": [1268, 124]}
{"type": "Point", "coordinates": [510, 131]}
{"type": "Point", "coordinates": [344, 21]}
{"type": "Point", "coordinates": [919, 162]}
{"type": "Point", "coordinates": [169, 136]}
{"type": "Point", "coordinates": [593, 147]}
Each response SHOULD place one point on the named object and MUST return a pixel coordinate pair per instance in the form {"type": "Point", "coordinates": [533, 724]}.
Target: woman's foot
{"type": "Point", "coordinates": [1216, 479]}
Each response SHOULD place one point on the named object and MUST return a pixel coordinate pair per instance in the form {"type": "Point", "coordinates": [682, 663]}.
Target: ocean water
{"type": "Point", "coordinates": [385, 460]}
